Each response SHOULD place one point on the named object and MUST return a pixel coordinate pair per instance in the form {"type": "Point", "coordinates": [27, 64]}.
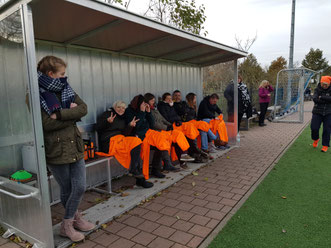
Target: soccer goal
{"type": "Point", "coordinates": [289, 94]}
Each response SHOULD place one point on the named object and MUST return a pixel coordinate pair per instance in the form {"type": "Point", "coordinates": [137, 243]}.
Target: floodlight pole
{"type": "Point", "coordinates": [290, 64]}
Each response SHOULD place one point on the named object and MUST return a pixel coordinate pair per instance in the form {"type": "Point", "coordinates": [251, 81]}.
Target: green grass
{"type": "Point", "coordinates": [303, 219]}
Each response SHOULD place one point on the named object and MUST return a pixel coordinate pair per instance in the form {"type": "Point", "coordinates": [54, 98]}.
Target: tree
{"type": "Point", "coordinates": [216, 77]}
{"type": "Point", "coordinates": [120, 2]}
{"type": "Point", "coordinates": [251, 71]}
{"type": "Point", "coordinates": [276, 65]}
{"type": "Point", "coordinates": [182, 14]}
{"type": "Point", "coordinates": [314, 60]}
{"type": "Point", "coordinates": [247, 44]}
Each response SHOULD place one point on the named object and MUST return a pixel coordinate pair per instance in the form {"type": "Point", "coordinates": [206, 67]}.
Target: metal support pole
{"type": "Point", "coordinates": [235, 94]}
{"type": "Point", "coordinates": [290, 64]}
{"type": "Point", "coordinates": [109, 177]}
{"type": "Point", "coordinates": [302, 90]}
{"type": "Point", "coordinates": [37, 125]}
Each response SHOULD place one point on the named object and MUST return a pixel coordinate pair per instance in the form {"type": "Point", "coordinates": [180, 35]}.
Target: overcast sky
{"type": "Point", "coordinates": [271, 21]}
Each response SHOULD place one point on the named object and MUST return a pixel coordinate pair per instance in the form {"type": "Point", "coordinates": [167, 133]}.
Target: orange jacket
{"type": "Point", "coordinates": [220, 127]}
{"type": "Point", "coordinates": [161, 140]}
{"type": "Point", "coordinates": [120, 147]}
{"type": "Point", "coordinates": [200, 125]}
{"type": "Point", "coordinates": [179, 138]}
{"type": "Point", "coordinates": [189, 130]}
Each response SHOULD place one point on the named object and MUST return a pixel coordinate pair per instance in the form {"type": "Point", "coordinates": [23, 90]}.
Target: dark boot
{"type": "Point", "coordinates": [157, 174]}
{"type": "Point", "coordinates": [171, 168]}
{"type": "Point", "coordinates": [218, 142]}
{"type": "Point", "coordinates": [135, 165]}
{"type": "Point", "coordinates": [143, 183]}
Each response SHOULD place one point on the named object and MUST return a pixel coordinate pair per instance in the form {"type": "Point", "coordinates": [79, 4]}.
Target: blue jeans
{"type": "Point", "coordinates": [207, 135]}
{"type": "Point", "coordinates": [72, 180]}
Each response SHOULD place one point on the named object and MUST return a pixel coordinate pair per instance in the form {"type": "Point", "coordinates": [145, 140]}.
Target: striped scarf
{"type": "Point", "coordinates": [244, 94]}
{"type": "Point", "coordinates": [48, 87]}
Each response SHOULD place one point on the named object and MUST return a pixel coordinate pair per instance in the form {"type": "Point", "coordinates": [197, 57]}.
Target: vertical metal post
{"type": "Point", "coordinates": [302, 90]}
{"type": "Point", "coordinates": [37, 125]}
{"type": "Point", "coordinates": [235, 93]}
{"type": "Point", "coordinates": [290, 64]}
{"type": "Point", "coordinates": [109, 176]}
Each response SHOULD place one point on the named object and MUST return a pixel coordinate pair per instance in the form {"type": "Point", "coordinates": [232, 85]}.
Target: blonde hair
{"type": "Point", "coordinates": [263, 84]}
{"type": "Point", "coordinates": [119, 104]}
{"type": "Point", "coordinates": [50, 63]}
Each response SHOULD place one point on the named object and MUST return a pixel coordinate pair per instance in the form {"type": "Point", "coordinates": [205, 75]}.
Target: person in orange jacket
{"type": "Point", "coordinates": [322, 113]}
{"type": "Point", "coordinates": [114, 140]}
{"type": "Point", "coordinates": [167, 110]}
{"type": "Point", "coordinates": [140, 110]}
{"type": "Point", "coordinates": [207, 112]}
{"type": "Point", "coordinates": [162, 124]}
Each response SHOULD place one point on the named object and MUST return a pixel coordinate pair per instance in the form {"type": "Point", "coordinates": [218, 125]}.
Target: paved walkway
{"type": "Point", "coordinates": [185, 215]}
{"type": "Point", "coordinates": [191, 212]}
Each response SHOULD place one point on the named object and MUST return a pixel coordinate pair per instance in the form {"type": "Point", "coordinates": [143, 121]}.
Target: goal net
{"type": "Point", "coordinates": [289, 94]}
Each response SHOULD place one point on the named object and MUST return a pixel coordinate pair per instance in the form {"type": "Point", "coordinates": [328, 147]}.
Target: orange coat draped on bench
{"type": "Point", "coordinates": [188, 129]}
{"type": "Point", "coordinates": [179, 138]}
{"type": "Point", "coordinates": [218, 125]}
{"type": "Point", "coordinates": [161, 140]}
{"type": "Point", "coordinates": [120, 147]}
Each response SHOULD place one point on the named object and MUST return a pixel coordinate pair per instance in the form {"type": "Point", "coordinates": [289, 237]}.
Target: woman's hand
{"type": "Point", "coordinates": [133, 122]}
{"type": "Point", "coordinates": [143, 107]}
{"type": "Point", "coordinates": [72, 105]}
{"type": "Point", "coordinates": [148, 108]}
{"type": "Point", "coordinates": [111, 118]}
{"type": "Point", "coordinates": [269, 94]}
{"type": "Point", "coordinates": [53, 116]}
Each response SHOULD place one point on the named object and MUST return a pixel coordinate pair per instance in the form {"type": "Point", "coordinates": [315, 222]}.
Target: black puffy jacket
{"type": "Point", "coordinates": [146, 121]}
{"type": "Point", "coordinates": [107, 130]}
{"type": "Point", "coordinates": [206, 110]}
{"type": "Point", "coordinates": [168, 112]}
{"type": "Point", "coordinates": [322, 100]}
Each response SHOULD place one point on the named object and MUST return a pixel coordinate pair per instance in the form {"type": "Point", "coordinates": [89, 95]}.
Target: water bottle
{"type": "Point", "coordinates": [238, 139]}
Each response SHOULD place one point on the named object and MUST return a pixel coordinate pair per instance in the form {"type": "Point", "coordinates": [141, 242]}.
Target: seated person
{"type": "Point", "coordinates": [160, 123]}
{"type": "Point", "coordinates": [207, 112]}
{"type": "Point", "coordinates": [179, 105]}
{"type": "Point", "coordinates": [190, 110]}
{"type": "Point", "coordinates": [167, 110]}
{"type": "Point", "coordinates": [113, 140]}
{"type": "Point", "coordinates": [140, 110]}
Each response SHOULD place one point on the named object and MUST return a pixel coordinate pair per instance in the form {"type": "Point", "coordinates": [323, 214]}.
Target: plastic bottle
{"type": "Point", "coordinates": [238, 139]}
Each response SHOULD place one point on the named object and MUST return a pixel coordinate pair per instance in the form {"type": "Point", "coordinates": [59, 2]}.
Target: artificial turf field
{"type": "Point", "coordinates": [290, 208]}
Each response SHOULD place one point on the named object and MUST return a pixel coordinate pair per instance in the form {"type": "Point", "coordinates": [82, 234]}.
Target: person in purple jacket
{"type": "Point", "coordinates": [265, 90]}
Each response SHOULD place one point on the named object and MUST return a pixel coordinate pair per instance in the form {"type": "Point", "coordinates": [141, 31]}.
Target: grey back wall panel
{"type": "Point", "coordinates": [101, 78]}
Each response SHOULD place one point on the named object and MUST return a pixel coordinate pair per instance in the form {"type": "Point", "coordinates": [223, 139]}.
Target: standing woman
{"type": "Point", "coordinates": [61, 109]}
{"type": "Point", "coordinates": [322, 113]}
{"type": "Point", "coordinates": [244, 101]}
{"type": "Point", "coordinates": [265, 90]}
